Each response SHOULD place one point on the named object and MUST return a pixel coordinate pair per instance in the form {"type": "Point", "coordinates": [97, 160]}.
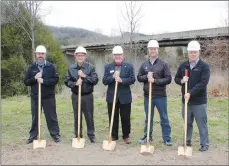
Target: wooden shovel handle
{"type": "Point", "coordinates": [149, 111]}
{"type": "Point", "coordinates": [39, 111]}
{"type": "Point", "coordinates": [186, 112]}
{"type": "Point", "coordinates": [113, 109]}
{"type": "Point", "coordinates": [79, 109]}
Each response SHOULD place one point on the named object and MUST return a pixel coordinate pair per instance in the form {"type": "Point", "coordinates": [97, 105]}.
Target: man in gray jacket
{"type": "Point", "coordinates": [82, 73]}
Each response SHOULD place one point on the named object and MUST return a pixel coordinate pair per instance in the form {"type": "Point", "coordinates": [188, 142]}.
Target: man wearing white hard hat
{"type": "Point", "coordinates": [156, 71]}
{"type": "Point", "coordinates": [82, 73]}
{"type": "Point", "coordinates": [198, 78]}
{"type": "Point", "coordinates": [45, 73]}
{"type": "Point", "coordinates": [123, 73]}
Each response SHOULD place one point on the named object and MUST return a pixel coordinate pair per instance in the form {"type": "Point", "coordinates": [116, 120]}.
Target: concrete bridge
{"type": "Point", "coordinates": [165, 40]}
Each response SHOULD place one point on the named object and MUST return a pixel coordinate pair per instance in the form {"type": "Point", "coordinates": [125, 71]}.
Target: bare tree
{"type": "Point", "coordinates": [24, 14]}
{"type": "Point", "coordinates": [224, 19]}
{"type": "Point", "coordinates": [132, 15]}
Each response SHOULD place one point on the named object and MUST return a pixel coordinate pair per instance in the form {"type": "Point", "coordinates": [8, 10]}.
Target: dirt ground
{"type": "Point", "coordinates": [64, 154]}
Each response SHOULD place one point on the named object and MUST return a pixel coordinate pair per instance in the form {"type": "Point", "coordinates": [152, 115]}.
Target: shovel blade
{"type": "Point", "coordinates": [109, 145]}
{"type": "Point", "coordinates": [187, 152]}
{"type": "Point", "coordinates": [39, 144]}
{"type": "Point", "coordinates": [78, 142]}
{"type": "Point", "coordinates": [147, 150]}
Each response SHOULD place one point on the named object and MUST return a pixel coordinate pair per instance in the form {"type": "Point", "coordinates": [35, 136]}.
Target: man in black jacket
{"type": "Point", "coordinates": [45, 73]}
{"type": "Point", "coordinates": [158, 73]}
{"type": "Point", "coordinates": [82, 73]}
{"type": "Point", "coordinates": [123, 73]}
{"type": "Point", "coordinates": [198, 78]}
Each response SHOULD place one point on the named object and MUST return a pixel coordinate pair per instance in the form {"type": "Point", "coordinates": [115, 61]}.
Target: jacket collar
{"type": "Point", "coordinates": [47, 64]}
{"type": "Point", "coordinates": [156, 60]}
{"type": "Point", "coordinates": [75, 65]}
{"type": "Point", "coordinates": [187, 64]}
{"type": "Point", "coordinates": [122, 64]}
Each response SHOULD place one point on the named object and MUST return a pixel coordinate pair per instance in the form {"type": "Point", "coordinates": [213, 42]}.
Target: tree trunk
{"type": "Point", "coordinates": [33, 46]}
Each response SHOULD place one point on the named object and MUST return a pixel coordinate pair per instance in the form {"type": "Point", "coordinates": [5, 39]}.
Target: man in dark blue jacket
{"type": "Point", "coordinates": [82, 73]}
{"type": "Point", "coordinates": [45, 73]}
{"type": "Point", "coordinates": [198, 78]}
{"type": "Point", "coordinates": [124, 97]}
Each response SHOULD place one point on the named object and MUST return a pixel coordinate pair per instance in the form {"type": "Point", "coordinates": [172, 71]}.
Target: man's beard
{"type": "Point", "coordinates": [40, 61]}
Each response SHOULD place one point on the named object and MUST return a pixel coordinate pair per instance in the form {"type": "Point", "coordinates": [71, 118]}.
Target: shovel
{"type": "Point", "coordinates": [185, 150]}
{"type": "Point", "coordinates": [39, 143]}
{"type": "Point", "coordinates": [78, 142]}
{"type": "Point", "coordinates": [109, 144]}
{"type": "Point", "coordinates": [148, 149]}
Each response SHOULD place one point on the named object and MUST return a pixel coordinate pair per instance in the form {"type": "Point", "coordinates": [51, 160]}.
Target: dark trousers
{"type": "Point", "coordinates": [49, 107]}
{"type": "Point", "coordinates": [161, 104]}
{"type": "Point", "coordinates": [125, 110]}
{"type": "Point", "coordinates": [87, 108]}
{"type": "Point", "coordinates": [199, 112]}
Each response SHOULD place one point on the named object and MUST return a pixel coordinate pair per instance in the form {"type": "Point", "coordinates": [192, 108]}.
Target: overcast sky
{"type": "Point", "coordinates": [159, 16]}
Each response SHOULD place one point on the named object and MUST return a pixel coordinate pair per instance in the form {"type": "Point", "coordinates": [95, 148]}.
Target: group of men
{"type": "Point", "coordinates": [154, 70]}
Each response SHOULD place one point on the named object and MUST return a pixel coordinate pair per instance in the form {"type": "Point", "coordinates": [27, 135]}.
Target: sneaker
{"type": "Point", "coordinates": [144, 140]}
{"type": "Point", "coordinates": [203, 148]}
{"type": "Point", "coordinates": [127, 140]}
{"type": "Point", "coordinates": [168, 143]}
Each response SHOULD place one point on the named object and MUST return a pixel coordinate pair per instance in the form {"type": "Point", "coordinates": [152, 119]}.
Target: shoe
{"type": "Point", "coordinates": [56, 139]}
{"type": "Point", "coordinates": [127, 140]}
{"type": "Point", "coordinates": [188, 143]}
{"type": "Point", "coordinates": [92, 140]}
{"type": "Point", "coordinates": [113, 139]}
{"type": "Point", "coordinates": [30, 140]}
{"type": "Point", "coordinates": [168, 143]}
{"type": "Point", "coordinates": [144, 140]}
{"type": "Point", "coordinates": [203, 148]}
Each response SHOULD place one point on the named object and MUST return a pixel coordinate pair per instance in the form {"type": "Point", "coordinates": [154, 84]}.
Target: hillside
{"type": "Point", "coordinates": [74, 36]}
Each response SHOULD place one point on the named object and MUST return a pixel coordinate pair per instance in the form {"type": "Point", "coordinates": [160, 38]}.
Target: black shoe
{"type": "Point", "coordinates": [56, 139]}
{"type": "Point", "coordinates": [203, 148]}
{"type": "Point", "coordinates": [80, 136]}
{"type": "Point", "coordinates": [92, 140]}
{"type": "Point", "coordinates": [30, 140]}
{"type": "Point", "coordinates": [188, 143]}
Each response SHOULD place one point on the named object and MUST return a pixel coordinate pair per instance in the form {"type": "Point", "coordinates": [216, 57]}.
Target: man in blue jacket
{"type": "Point", "coordinates": [198, 78]}
{"type": "Point", "coordinates": [45, 73]}
{"type": "Point", "coordinates": [124, 97]}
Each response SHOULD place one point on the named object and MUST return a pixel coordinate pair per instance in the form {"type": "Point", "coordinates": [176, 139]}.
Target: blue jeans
{"type": "Point", "coordinates": [161, 104]}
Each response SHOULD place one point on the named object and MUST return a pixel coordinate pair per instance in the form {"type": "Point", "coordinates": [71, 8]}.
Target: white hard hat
{"type": "Point", "coordinates": [153, 43]}
{"type": "Point", "coordinates": [193, 46]}
{"type": "Point", "coordinates": [117, 50]}
{"type": "Point", "coordinates": [80, 49]}
{"type": "Point", "coordinates": [40, 49]}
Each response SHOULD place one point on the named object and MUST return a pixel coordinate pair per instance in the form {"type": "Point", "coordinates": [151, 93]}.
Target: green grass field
{"type": "Point", "coordinates": [16, 121]}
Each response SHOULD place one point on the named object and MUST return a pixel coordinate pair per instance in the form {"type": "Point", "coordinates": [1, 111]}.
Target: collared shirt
{"type": "Point", "coordinates": [118, 68]}
{"type": "Point", "coordinates": [41, 67]}
{"type": "Point", "coordinates": [193, 64]}
{"type": "Point", "coordinates": [153, 60]}
{"type": "Point", "coordinates": [80, 67]}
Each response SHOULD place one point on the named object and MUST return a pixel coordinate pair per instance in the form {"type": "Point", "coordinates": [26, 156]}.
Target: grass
{"type": "Point", "coordinates": [16, 121]}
